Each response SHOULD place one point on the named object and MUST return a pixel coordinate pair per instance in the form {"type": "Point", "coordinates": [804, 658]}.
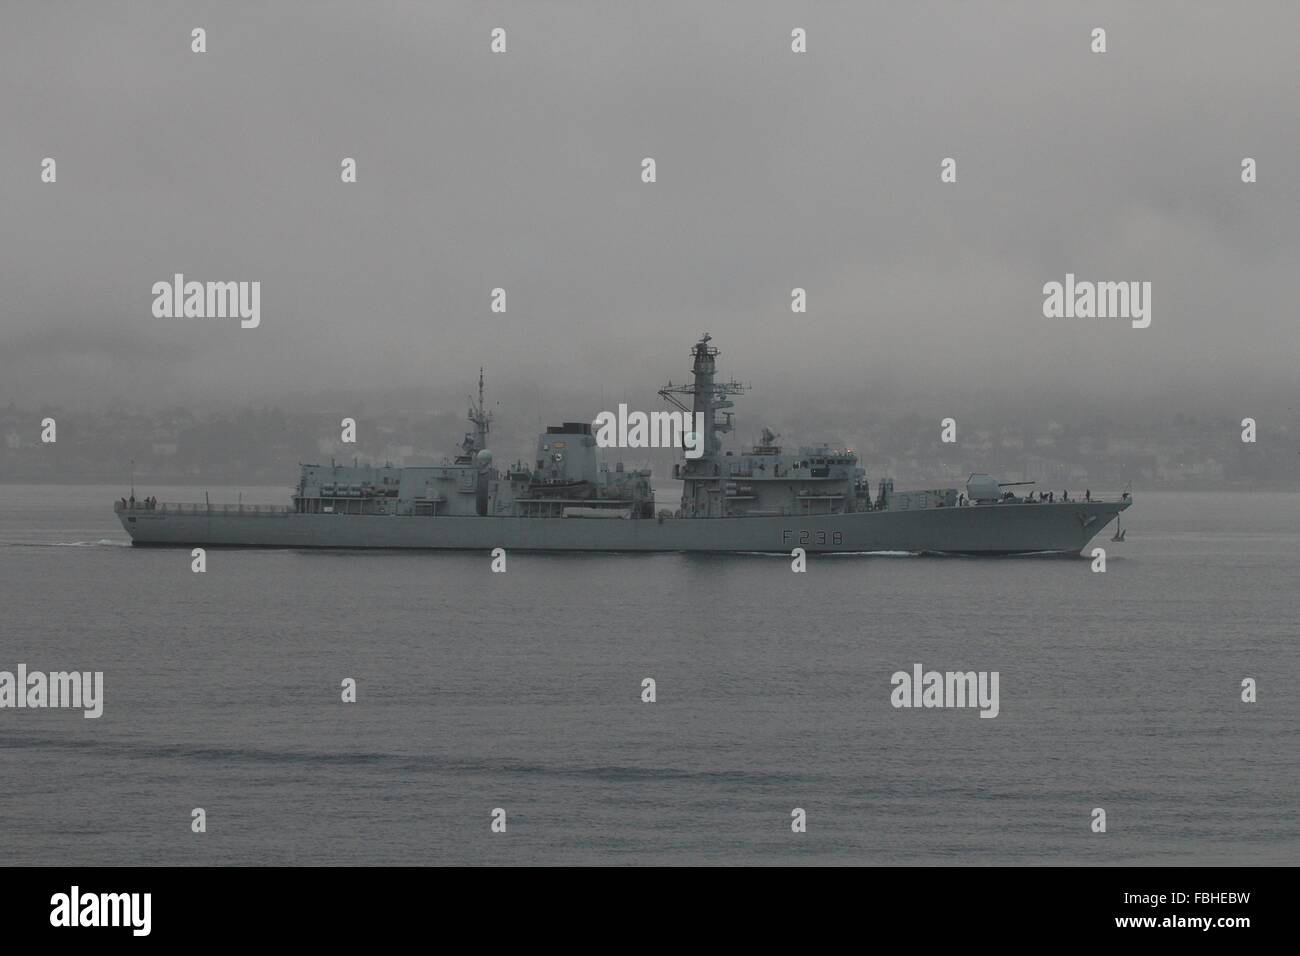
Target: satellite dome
{"type": "Point", "coordinates": [484, 457]}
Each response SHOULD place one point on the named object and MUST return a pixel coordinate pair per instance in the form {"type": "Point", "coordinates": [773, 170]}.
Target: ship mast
{"type": "Point", "coordinates": [479, 415]}
{"type": "Point", "coordinates": [709, 397]}
{"type": "Point", "coordinates": [481, 419]}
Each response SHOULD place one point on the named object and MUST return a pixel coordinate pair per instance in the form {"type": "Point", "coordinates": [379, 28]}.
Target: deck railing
{"type": "Point", "coordinates": [202, 508]}
{"type": "Point", "coordinates": [1074, 499]}
{"type": "Point", "coordinates": [208, 508]}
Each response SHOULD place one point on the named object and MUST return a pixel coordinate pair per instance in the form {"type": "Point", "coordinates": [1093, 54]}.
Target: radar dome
{"type": "Point", "coordinates": [484, 457]}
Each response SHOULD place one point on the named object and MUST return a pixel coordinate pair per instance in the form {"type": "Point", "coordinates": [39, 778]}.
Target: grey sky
{"type": "Point", "coordinates": [775, 170]}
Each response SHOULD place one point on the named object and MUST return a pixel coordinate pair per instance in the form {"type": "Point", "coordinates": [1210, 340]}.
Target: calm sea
{"type": "Point", "coordinates": [522, 691]}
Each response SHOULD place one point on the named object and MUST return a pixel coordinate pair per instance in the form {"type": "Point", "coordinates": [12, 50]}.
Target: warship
{"type": "Point", "coordinates": [759, 499]}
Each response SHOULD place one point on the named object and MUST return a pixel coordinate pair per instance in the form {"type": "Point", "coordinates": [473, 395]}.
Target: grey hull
{"type": "Point", "coordinates": [1012, 528]}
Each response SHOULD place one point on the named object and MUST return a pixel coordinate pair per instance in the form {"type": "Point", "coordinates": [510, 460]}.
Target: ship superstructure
{"type": "Point", "coordinates": [762, 498]}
